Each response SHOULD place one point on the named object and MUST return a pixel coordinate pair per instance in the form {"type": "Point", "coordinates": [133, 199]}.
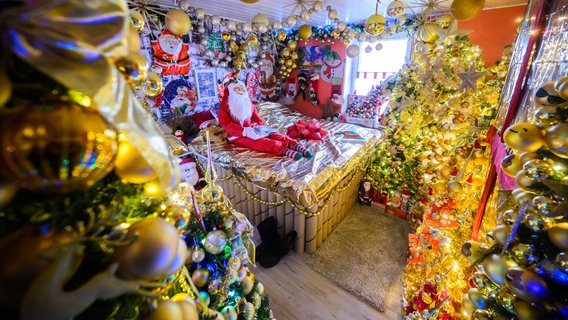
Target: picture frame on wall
{"type": "Point", "coordinates": [206, 84]}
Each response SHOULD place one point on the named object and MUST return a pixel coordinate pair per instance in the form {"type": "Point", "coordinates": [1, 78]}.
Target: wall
{"type": "Point", "coordinates": [493, 29]}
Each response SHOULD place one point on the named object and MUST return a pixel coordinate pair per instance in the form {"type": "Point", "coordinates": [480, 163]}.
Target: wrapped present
{"type": "Point", "coordinates": [306, 130]}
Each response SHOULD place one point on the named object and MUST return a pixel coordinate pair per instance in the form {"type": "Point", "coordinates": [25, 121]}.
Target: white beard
{"type": "Point", "coordinates": [240, 107]}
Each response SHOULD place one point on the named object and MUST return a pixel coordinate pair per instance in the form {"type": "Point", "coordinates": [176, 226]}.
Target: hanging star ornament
{"type": "Point", "coordinates": [469, 78]}
{"type": "Point", "coordinates": [449, 35]}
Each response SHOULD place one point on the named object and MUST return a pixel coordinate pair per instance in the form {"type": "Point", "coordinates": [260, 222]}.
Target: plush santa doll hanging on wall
{"type": "Point", "coordinates": [267, 80]}
{"type": "Point", "coordinates": [245, 128]}
{"type": "Point", "coordinates": [190, 174]}
{"type": "Point", "coordinates": [171, 53]}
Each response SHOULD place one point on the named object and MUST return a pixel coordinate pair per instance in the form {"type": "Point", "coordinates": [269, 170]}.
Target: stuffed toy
{"type": "Point", "coordinates": [190, 174]}
{"type": "Point", "coordinates": [180, 135]}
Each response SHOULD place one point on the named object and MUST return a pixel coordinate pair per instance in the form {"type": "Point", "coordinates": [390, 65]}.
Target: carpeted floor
{"type": "Point", "coordinates": [365, 254]}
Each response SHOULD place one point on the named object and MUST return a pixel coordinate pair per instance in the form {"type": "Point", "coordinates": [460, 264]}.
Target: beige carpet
{"type": "Point", "coordinates": [365, 254]}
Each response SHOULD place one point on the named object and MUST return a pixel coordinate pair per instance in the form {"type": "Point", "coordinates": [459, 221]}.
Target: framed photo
{"type": "Point", "coordinates": [206, 85]}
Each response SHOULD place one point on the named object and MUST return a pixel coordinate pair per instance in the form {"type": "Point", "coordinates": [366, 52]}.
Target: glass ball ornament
{"type": "Point", "coordinates": [248, 311]}
{"type": "Point", "coordinates": [200, 277]}
{"type": "Point", "coordinates": [205, 297]}
{"type": "Point", "coordinates": [133, 67]}
{"type": "Point", "coordinates": [200, 13]}
{"type": "Point", "coordinates": [547, 116]}
{"type": "Point", "coordinates": [523, 253]}
{"type": "Point", "coordinates": [482, 314]}
{"type": "Point", "coordinates": [229, 313]}
{"type": "Point", "coordinates": [292, 45]}
{"type": "Point", "coordinates": [212, 192]}
{"type": "Point", "coordinates": [478, 298]}
{"type": "Point", "coordinates": [481, 280]}
{"type": "Point", "coordinates": [184, 5]}
{"type": "Point", "coordinates": [495, 267]}
{"type": "Point", "coordinates": [291, 21]}
{"type": "Point", "coordinates": [535, 222]}
{"type": "Point", "coordinates": [153, 84]}
{"type": "Point", "coordinates": [247, 283]}
{"type": "Point", "coordinates": [523, 137]}
{"type": "Point", "coordinates": [544, 204]}
{"type": "Point", "coordinates": [305, 32]}
{"type": "Point", "coordinates": [352, 51]}
{"type": "Point", "coordinates": [177, 215]}
{"type": "Point", "coordinates": [56, 147]}
{"type": "Point", "coordinates": [368, 49]}
{"type": "Point", "coordinates": [152, 251]}
{"type": "Point", "coordinates": [562, 261]}
{"type": "Point", "coordinates": [395, 8]}
{"type": "Point", "coordinates": [506, 299]}
{"type": "Point", "coordinates": [130, 165]}
{"type": "Point", "coordinates": [332, 14]}
{"type": "Point", "coordinates": [198, 255]}
{"type": "Point", "coordinates": [379, 46]}
{"type": "Point", "coordinates": [466, 9]}
{"type": "Point", "coordinates": [215, 241]}
{"type": "Point", "coordinates": [136, 20]}
{"type": "Point", "coordinates": [375, 24]}
{"type": "Point", "coordinates": [558, 235]}
{"type": "Point", "coordinates": [538, 169]}
{"type": "Point", "coordinates": [511, 165]}
{"type": "Point", "coordinates": [215, 20]}
{"type": "Point", "coordinates": [526, 285]}
{"type": "Point", "coordinates": [177, 22]}
{"type": "Point", "coordinates": [317, 6]}
{"type": "Point", "coordinates": [556, 139]}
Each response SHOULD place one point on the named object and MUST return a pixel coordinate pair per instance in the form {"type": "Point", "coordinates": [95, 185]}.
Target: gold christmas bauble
{"type": "Point", "coordinates": [200, 277]}
{"type": "Point", "coordinates": [466, 9]}
{"type": "Point", "coordinates": [134, 67]}
{"type": "Point", "coordinates": [134, 41]}
{"type": "Point", "coordinates": [538, 169]}
{"type": "Point", "coordinates": [474, 250]}
{"type": "Point", "coordinates": [178, 22]}
{"type": "Point", "coordinates": [248, 312]}
{"type": "Point", "coordinates": [168, 309]}
{"type": "Point", "coordinates": [467, 306]}
{"type": "Point", "coordinates": [177, 215]}
{"type": "Point", "coordinates": [56, 147]}
{"type": "Point", "coordinates": [136, 20]}
{"type": "Point", "coordinates": [154, 189]}
{"type": "Point", "coordinates": [501, 234]}
{"type": "Point", "coordinates": [526, 183]}
{"type": "Point", "coordinates": [152, 84]}
{"type": "Point", "coordinates": [395, 8]}
{"type": "Point", "coordinates": [558, 235]}
{"type": "Point", "coordinates": [229, 313]}
{"type": "Point", "coordinates": [527, 156]}
{"type": "Point", "coordinates": [375, 24]}
{"type": "Point", "coordinates": [131, 166]}
{"type": "Point", "coordinates": [187, 306]}
{"type": "Point", "coordinates": [523, 137]}
{"type": "Point", "coordinates": [247, 285]}
{"type": "Point", "coordinates": [561, 87]}
{"type": "Point", "coordinates": [282, 36]}
{"type": "Point", "coordinates": [444, 20]}
{"type": "Point", "coordinates": [511, 165]}
{"type": "Point", "coordinates": [526, 285]}
{"type": "Point", "coordinates": [226, 36]}
{"type": "Point", "coordinates": [548, 96]}
{"type": "Point", "coordinates": [215, 241]}
{"type": "Point", "coordinates": [198, 255]}
{"type": "Point", "coordinates": [556, 139]}
{"type": "Point", "coordinates": [547, 116]}
{"type": "Point", "coordinates": [249, 1]}
{"type": "Point", "coordinates": [477, 298]}
{"type": "Point", "coordinates": [496, 266]}
{"type": "Point", "coordinates": [305, 32]}
{"type": "Point", "coordinates": [427, 32]}
{"type": "Point", "coordinates": [292, 45]}
{"type": "Point", "coordinates": [212, 192]}
{"type": "Point", "coordinates": [152, 251]}
{"type": "Point", "coordinates": [285, 52]}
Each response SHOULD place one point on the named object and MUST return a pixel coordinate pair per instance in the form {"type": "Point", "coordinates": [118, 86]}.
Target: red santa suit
{"type": "Point", "coordinates": [237, 121]}
{"type": "Point", "coordinates": [171, 54]}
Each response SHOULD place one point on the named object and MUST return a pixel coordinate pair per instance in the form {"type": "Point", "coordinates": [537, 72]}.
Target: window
{"type": "Point", "coordinates": [369, 69]}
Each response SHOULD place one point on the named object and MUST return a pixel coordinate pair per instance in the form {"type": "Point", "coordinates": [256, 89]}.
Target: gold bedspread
{"type": "Point", "coordinates": [305, 182]}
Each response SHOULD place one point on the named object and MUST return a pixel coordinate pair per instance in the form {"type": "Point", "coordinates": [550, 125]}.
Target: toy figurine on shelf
{"type": "Point", "coordinates": [365, 192]}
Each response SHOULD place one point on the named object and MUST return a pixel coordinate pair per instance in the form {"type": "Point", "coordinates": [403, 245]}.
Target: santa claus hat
{"type": "Point", "coordinates": [269, 58]}
{"type": "Point", "coordinates": [182, 88]}
{"type": "Point", "coordinates": [166, 32]}
{"type": "Point", "coordinates": [187, 161]}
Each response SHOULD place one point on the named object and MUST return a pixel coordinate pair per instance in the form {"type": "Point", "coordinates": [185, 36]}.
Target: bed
{"type": "Point", "coordinates": [310, 196]}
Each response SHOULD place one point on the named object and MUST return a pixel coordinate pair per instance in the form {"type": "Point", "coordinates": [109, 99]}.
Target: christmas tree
{"type": "Point", "coordinates": [435, 148]}
{"type": "Point", "coordinates": [93, 221]}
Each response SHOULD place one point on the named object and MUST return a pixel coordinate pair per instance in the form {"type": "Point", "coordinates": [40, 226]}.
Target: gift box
{"type": "Point", "coordinates": [379, 200]}
{"type": "Point", "coordinates": [397, 212]}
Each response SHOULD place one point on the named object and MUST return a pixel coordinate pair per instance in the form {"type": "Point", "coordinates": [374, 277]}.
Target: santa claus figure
{"type": "Point", "coordinates": [245, 128]}
{"type": "Point", "coordinates": [171, 54]}
{"type": "Point", "coordinates": [267, 80]}
{"type": "Point", "coordinates": [190, 174]}
{"type": "Point", "coordinates": [181, 104]}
